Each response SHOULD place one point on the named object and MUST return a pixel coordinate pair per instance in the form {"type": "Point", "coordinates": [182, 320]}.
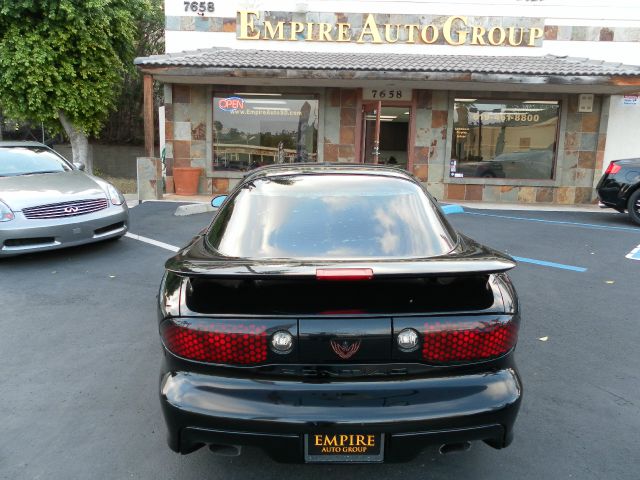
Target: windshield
{"type": "Point", "coordinates": [30, 160]}
{"type": "Point", "coordinates": [330, 217]}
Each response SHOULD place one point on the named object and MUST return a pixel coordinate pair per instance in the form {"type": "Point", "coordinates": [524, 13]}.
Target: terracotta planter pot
{"type": "Point", "coordinates": [186, 180]}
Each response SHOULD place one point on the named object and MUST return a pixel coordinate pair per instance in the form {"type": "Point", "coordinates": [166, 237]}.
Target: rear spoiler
{"type": "Point", "coordinates": [468, 258]}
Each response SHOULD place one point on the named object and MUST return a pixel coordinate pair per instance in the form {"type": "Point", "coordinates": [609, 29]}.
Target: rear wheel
{"type": "Point", "coordinates": [633, 207]}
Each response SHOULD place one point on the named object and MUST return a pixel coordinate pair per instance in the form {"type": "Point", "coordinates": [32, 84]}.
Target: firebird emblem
{"type": "Point", "coordinates": [345, 348]}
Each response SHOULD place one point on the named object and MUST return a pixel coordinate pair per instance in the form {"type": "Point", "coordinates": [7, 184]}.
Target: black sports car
{"type": "Point", "coordinates": [619, 187]}
{"type": "Point", "coordinates": [332, 314]}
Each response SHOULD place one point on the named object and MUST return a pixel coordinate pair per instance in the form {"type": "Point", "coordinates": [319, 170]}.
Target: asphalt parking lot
{"type": "Point", "coordinates": [79, 359]}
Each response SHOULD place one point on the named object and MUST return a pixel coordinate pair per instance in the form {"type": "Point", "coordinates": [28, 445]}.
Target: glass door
{"type": "Point", "coordinates": [385, 133]}
{"type": "Point", "coordinates": [371, 132]}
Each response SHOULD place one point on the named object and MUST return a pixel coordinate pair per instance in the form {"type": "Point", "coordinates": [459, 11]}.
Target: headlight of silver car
{"type": "Point", "coordinates": [5, 212]}
{"type": "Point", "coordinates": [115, 196]}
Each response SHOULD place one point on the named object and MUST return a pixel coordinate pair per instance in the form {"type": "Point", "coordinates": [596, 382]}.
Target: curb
{"type": "Point", "coordinates": [535, 207]}
{"type": "Point", "coordinates": [193, 209]}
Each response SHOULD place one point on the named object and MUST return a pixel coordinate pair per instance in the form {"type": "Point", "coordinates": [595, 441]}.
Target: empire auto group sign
{"type": "Point", "coordinates": [372, 28]}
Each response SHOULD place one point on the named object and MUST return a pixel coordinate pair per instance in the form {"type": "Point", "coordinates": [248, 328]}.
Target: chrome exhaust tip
{"type": "Point", "coordinates": [448, 448]}
{"type": "Point", "coordinates": [226, 450]}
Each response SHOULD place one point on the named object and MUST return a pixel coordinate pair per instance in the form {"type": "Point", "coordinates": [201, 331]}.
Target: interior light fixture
{"type": "Point", "coordinates": [270, 102]}
{"type": "Point", "coordinates": [256, 94]}
{"type": "Point", "coordinates": [382, 117]}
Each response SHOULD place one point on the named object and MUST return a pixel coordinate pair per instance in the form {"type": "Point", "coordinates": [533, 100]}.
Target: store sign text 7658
{"type": "Point", "coordinates": [199, 7]}
{"type": "Point", "coordinates": [386, 94]}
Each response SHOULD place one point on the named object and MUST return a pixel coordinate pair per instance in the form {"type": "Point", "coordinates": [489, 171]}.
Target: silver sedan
{"type": "Point", "coordinates": [47, 202]}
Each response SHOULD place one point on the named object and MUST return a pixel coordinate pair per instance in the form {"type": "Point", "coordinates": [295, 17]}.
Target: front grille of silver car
{"type": "Point", "coordinates": [65, 209]}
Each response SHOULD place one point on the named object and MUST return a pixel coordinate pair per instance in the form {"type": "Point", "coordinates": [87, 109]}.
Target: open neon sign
{"type": "Point", "coordinates": [231, 104]}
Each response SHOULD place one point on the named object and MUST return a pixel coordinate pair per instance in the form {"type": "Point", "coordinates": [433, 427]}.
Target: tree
{"type": "Point", "coordinates": [125, 124]}
{"type": "Point", "coordinates": [62, 62]}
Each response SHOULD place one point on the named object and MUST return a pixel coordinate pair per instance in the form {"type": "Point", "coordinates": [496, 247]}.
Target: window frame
{"type": "Point", "coordinates": [558, 156]}
{"type": "Point", "coordinates": [296, 94]}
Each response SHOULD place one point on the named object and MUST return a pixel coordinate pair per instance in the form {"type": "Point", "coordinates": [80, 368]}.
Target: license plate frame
{"type": "Point", "coordinates": [311, 456]}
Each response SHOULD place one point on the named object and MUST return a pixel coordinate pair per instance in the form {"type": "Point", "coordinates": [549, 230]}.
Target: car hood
{"type": "Point", "coordinates": [41, 189]}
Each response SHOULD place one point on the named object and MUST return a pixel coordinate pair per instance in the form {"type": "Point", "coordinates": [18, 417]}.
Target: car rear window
{"type": "Point", "coordinates": [330, 217]}
{"type": "Point", "coordinates": [16, 161]}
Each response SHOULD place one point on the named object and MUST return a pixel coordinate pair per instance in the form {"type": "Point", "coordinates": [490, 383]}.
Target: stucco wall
{"type": "Point", "coordinates": [113, 160]}
{"type": "Point", "coordinates": [624, 125]}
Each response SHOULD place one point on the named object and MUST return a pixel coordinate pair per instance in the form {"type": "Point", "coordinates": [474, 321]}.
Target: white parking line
{"type": "Point", "coordinates": [151, 241]}
{"type": "Point", "coordinates": [634, 254]}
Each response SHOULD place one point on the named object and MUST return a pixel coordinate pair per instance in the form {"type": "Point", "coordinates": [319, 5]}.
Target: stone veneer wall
{"type": "Point", "coordinates": [573, 33]}
{"type": "Point", "coordinates": [430, 143]}
{"type": "Point", "coordinates": [340, 120]}
{"type": "Point", "coordinates": [578, 168]}
{"type": "Point", "coordinates": [186, 110]}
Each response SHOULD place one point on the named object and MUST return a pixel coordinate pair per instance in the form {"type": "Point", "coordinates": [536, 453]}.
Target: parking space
{"type": "Point", "coordinates": [79, 356]}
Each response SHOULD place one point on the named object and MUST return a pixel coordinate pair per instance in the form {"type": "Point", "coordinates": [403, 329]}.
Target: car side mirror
{"type": "Point", "coordinates": [217, 201]}
{"type": "Point", "coordinates": [80, 166]}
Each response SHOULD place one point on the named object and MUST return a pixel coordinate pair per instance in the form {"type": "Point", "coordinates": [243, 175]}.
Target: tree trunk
{"type": "Point", "coordinates": [79, 143]}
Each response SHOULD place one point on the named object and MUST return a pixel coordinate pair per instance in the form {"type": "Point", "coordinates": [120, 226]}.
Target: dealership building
{"type": "Point", "coordinates": [496, 101]}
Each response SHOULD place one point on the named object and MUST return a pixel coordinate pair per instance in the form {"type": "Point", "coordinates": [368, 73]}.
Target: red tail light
{"type": "Point", "coordinates": [344, 274]}
{"type": "Point", "coordinates": [613, 168]}
{"type": "Point", "coordinates": [229, 343]}
{"type": "Point", "coordinates": [468, 341]}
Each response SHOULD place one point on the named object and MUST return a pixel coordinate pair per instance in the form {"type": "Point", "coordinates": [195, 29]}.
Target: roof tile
{"type": "Point", "coordinates": [380, 62]}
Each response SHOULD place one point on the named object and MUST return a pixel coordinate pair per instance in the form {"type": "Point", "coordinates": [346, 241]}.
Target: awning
{"type": "Point", "coordinates": [533, 73]}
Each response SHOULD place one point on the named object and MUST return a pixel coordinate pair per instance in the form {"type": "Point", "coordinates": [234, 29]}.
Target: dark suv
{"type": "Point", "coordinates": [619, 187]}
{"type": "Point", "coordinates": [332, 314]}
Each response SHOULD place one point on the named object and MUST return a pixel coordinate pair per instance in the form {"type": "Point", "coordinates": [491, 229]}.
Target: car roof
{"type": "Point", "coordinates": [277, 170]}
{"type": "Point", "coordinates": [22, 143]}
{"type": "Point", "coordinates": [628, 161]}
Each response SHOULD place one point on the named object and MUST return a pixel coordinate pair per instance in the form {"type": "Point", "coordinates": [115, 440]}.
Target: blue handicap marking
{"type": "Point", "coordinates": [634, 254]}
{"type": "Point", "coordinates": [544, 263]}
{"type": "Point", "coordinates": [452, 208]}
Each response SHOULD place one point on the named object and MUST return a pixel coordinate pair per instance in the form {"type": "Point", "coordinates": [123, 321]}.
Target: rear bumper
{"type": "Point", "coordinates": [275, 414]}
{"type": "Point", "coordinates": [611, 195]}
{"type": "Point", "coordinates": [23, 235]}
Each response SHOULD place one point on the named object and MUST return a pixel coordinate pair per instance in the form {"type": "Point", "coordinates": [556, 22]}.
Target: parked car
{"type": "Point", "coordinates": [535, 163]}
{"type": "Point", "coordinates": [481, 169]}
{"type": "Point", "coordinates": [332, 314]}
{"type": "Point", "coordinates": [619, 187]}
{"type": "Point", "coordinates": [46, 202]}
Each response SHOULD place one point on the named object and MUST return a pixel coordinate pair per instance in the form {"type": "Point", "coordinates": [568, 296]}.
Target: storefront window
{"type": "Point", "coordinates": [504, 139]}
{"type": "Point", "coordinates": [255, 129]}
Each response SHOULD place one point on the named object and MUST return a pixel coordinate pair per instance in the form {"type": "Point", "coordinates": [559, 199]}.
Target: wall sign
{"type": "Point", "coordinates": [585, 103]}
{"type": "Point", "coordinates": [374, 28]}
{"type": "Point", "coordinates": [403, 94]}
{"type": "Point", "coordinates": [631, 100]}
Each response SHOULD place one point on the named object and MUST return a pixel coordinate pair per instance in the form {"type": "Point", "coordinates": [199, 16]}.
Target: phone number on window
{"type": "Point", "coordinates": [199, 7]}
{"type": "Point", "coordinates": [518, 117]}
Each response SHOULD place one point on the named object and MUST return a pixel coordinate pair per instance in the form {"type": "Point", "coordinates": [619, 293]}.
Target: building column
{"type": "Point", "coordinates": [149, 126]}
